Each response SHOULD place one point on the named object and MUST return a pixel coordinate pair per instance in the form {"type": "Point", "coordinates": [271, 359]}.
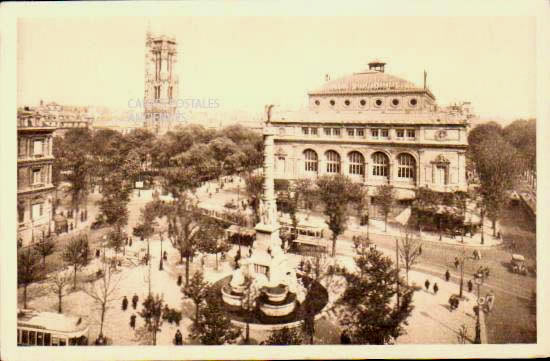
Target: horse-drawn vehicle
{"type": "Point", "coordinates": [517, 264]}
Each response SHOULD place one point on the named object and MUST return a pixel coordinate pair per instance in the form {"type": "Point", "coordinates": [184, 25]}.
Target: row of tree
{"type": "Point", "coordinates": [499, 155]}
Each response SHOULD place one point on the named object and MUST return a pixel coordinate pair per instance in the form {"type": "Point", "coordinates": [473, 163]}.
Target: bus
{"type": "Point", "coordinates": [35, 328]}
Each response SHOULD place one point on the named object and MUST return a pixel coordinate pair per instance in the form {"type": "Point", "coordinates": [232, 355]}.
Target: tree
{"type": "Point", "coordinates": [185, 222]}
{"type": "Point", "coordinates": [385, 198]}
{"type": "Point", "coordinates": [366, 304]}
{"type": "Point", "coordinates": [214, 326]}
{"type": "Point", "coordinates": [103, 293]}
{"type": "Point", "coordinates": [27, 270]}
{"type": "Point", "coordinates": [75, 255]}
{"type": "Point", "coordinates": [75, 161]}
{"type": "Point", "coordinates": [497, 165]}
{"type": "Point", "coordinates": [409, 251]}
{"type": "Point", "coordinates": [210, 238]}
{"type": "Point", "coordinates": [318, 269]}
{"type": "Point", "coordinates": [336, 192]}
{"type": "Point", "coordinates": [285, 336]}
{"type": "Point", "coordinates": [59, 284]}
{"type": "Point", "coordinates": [196, 290]}
{"type": "Point", "coordinates": [522, 134]}
{"type": "Point", "coordinates": [116, 242]}
{"type": "Point", "coordinates": [305, 192]}
{"type": "Point", "coordinates": [425, 203]}
{"type": "Point", "coordinates": [45, 248]}
{"type": "Point", "coordinates": [254, 191]}
{"type": "Point", "coordinates": [152, 315]}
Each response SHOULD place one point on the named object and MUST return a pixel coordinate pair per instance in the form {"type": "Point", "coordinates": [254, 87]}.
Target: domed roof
{"type": "Point", "coordinates": [368, 81]}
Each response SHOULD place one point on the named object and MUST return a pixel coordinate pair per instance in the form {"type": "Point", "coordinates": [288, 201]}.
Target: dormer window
{"type": "Point", "coordinates": [317, 102]}
{"type": "Point", "coordinates": [413, 102]}
{"type": "Point", "coordinates": [363, 102]}
{"type": "Point", "coordinates": [347, 103]}
{"type": "Point", "coordinates": [332, 102]}
{"type": "Point", "coordinates": [378, 102]}
{"type": "Point", "coordinates": [395, 102]}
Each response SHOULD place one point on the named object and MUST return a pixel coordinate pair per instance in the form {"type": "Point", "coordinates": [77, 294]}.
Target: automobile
{"type": "Point", "coordinates": [518, 264]}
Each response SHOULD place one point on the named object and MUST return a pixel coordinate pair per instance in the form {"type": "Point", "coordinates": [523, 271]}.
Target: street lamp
{"type": "Point", "coordinates": [160, 265]}
{"type": "Point", "coordinates": [478, 279]}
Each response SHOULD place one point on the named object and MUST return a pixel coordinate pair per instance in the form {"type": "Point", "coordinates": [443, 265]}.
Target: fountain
{"type": "Point", "coordinates": [266, 271]}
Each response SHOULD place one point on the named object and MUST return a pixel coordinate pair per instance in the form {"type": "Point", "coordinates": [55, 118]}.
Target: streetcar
{"type": "Point", "coordinates": [35, 328]}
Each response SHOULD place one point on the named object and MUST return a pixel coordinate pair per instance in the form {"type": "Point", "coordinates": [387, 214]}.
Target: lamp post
{"type": "Point", "coordinates": [478, 278]}
{"type": "Point", "coordinates": [160, 265]}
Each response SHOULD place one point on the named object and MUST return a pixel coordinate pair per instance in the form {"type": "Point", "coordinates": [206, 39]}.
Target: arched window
{"type": "Point", "coordinates": [356, 163]}
{"type": "Point", "coordinates": [380, 164]}
{"type": "Point", "coordinates": [311, 160]}
{"type": "Point", "coordinates": [333, 162]}
{"type": "Point", "coordinates": [406, 166]}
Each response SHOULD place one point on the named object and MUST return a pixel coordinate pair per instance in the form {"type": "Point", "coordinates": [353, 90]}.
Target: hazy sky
{"type": "Point", "coordinates": [247, 62]}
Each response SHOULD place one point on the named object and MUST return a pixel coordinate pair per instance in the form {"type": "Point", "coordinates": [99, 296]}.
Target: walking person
{"type": "Point", "coordinates": [420, 250]}
{"type": "Point", "coordinates": [447, 275]}
{"type": "Point", "coordinates": [135, 300]}
{"type": "Point", "coordinates": [133, 321]}
{"type": "Point", "coordinates": [178, 338]}
{"type": "Point", "coordinates": [427, 284]}
{"type": "Point", "coordinates": [436, 288]}
{"type": "Point", "coordinates": [470, 286]}
{"type": "Point", "coordinates": [124, 303]}
{"type": "Point", "coordinates": [457, 262]}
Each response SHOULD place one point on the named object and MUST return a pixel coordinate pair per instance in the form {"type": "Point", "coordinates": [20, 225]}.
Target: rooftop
{"type": "Point", "coordinates": [50, 320]}
{"type": "Point", "coordinates": [371, 80]}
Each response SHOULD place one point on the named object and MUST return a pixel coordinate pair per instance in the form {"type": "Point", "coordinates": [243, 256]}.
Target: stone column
{"type": "Point", "coordinates": [267, 231]}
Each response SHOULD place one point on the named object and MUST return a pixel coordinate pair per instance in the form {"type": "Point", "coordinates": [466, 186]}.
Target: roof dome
{"type": "Point", "coordinates": [372, 80]}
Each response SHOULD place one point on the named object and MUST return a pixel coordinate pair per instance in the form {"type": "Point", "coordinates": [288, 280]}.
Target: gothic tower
{"type": "Point", "coordinates": [161, 83]}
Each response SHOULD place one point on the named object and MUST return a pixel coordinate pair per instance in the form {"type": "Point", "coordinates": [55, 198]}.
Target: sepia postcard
{"type": "Point", "coordinates": [274, 180]}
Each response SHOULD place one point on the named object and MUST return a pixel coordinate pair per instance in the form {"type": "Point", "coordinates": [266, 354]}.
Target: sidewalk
{"type": "Point", "coordinates": [376, 227]}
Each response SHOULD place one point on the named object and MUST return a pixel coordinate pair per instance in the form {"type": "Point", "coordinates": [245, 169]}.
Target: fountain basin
{"type": "Point", "coordinates": [231, 298]}
{"type": "Point", "coordinates": [276, 294]}
{"type": "Point", "coordinates": [277, 311]}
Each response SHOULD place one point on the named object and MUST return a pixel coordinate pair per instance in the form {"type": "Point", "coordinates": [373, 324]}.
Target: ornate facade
{"type": "Point", "coordinates": [377, 129]}
{"type": "Point", "coordinates": [161, 83]}
{"type": "Point", "coordinates": [34, 178]}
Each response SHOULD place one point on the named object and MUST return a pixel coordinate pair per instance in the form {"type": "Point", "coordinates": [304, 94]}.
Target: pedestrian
{"type": "Point", "coordinates": [97, 253]}
{"type": "Point", "coordinates": [179, 338]}
{"type": "Point", "coordinates": [419, 250]}
{"type": "Point", "coordinates": [179, 280]}
{"type": "Point", "coordinates": [470, 286]}
{"type": "Point", "coordinates": [133, 321]}
{"type": "Point", "coordinates": [452, 303]}
{"type": "Point", "coordinates": [457, 262]}
{"type": "Point", "coordinates": [130, 242]}
{"type": "Point", "coordinates": [436, 288]}
{"type": "Point", "coordinates": [427, 284]}
{"type": "Point", "coordinates": [135, 300]}
{"type": "Point", "coordinates": [447, 275]}
{"type": "Point", "coordinates": [124, 303]}
{"type": "Point", "coordinates": [165, 255]}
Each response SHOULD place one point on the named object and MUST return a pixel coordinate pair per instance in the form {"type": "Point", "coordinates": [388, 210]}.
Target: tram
{"type": "Point", "coordinates": [36, 328]}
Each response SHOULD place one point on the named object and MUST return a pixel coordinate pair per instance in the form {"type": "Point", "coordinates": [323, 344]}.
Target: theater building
{"type": "Point", "coordinates": [34, 177]}
{"type": "Point", "coordinates": [377, 129]}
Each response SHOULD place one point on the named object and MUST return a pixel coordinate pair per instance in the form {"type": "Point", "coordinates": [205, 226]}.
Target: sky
{"type": "Point", "coordinates": [246, 62]}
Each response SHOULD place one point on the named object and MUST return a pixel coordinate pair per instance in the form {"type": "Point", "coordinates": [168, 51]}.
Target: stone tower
{"type": "Point", "coordinates": [161, 83]}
